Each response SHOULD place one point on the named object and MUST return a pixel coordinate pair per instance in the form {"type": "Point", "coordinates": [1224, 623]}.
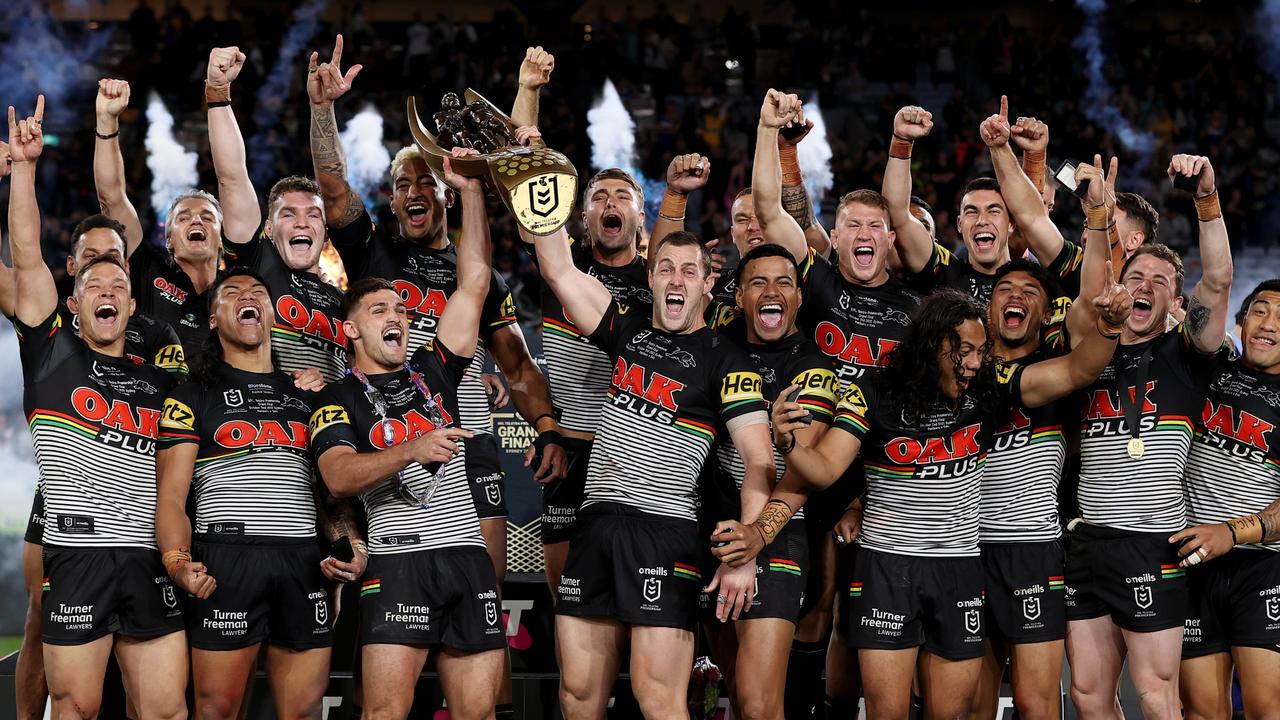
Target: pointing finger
{"type": "Point", "coordinates": [337, 50]}
{"type": "Point", "coordinates": [40, 108]}
{"type": "Point", "coordinates": [1004, 108]}
{"type": "Point", "coordinates": [311, 64]}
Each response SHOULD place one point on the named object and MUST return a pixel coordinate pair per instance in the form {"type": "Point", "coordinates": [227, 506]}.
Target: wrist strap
{"type": "Point", "coordinates": [217, 93]}
{"type": "Point", "coordinates": [900, 147]}
{"type": "Point", "coordinates": [1097, 217]}
{"type": "Point", "coordinates": [1107, 330]}
{"type": "Point", "coordinates": [1246, 529]}
{"type": "Point", "coordinates": [789, 448]}
{"type": "Point", "coordinates": [108, 136]}
{"type": "Point", "coordinates": [673, 205]}
{"type": "Point", "coordinates": [790, 162]}
{"type": "Point", "coordinates": [1033, 162]}
{"type": "Point", "coordinates": [1208, 208]}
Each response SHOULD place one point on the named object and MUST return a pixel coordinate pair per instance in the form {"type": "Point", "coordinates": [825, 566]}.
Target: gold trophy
{"type": "Point", "coordinates": [537, 183]}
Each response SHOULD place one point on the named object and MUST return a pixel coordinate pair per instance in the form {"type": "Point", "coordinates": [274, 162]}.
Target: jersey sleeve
{"type": "Point", "coordinates": [615, 325]}
{"type": "Point", "coordinates": [330, 423]}
{"type": "Point", "coordinates": [164, 349]}
{"type": "Point", "coordinates": [440, 364]}
{"type": "Point", "coordinates": [1066, 268]}
{"type": "Point", "coordinates": [741, 401]}
{"type": "Point", "coordinates": [179, 422]}
{"type": "Point", "coordinates": [1009, 382]}
{"type": "Point", "coordinates": [246, 254]}
{"type": "Point", "coordinates": [1198, 362]}
{"type": "Point", "coordinates": [142, 266]}
{"type": "Point", "coordinates": [818, 388]}
{"type": "Point", "coordinates": [853, 411]}
{"type": "Point", "coordinates": [352, 243]}
{"type": "Point", "coordinates": [44, 346]}
{"type": "Point", "coordinates": [499, 307]}
{"type": "Point", "coordinates": [932, 275]}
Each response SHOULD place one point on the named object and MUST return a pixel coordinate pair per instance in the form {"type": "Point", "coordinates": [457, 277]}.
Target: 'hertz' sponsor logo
{"type": "Point", "coordinates": [326, 416]}
{"type": "Point", "coordinates": [738, 386]}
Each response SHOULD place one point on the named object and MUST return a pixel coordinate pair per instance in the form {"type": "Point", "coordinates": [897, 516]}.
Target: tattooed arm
{"type": "Point", "coordinates": [326, 83]}
{"type": "Point", "coordinates": [795, 196]}
{"type": "Point", "coordinates": [1207, 309]}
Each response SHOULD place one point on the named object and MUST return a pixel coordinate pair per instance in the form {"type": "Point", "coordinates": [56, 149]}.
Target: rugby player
{"type": "Point", "coordinates": [1233, 503]}
{"type": "Point", "coordinates": [94, 417]}
{"type": "Point", "coordinates": [1125, 592]}
{"type": "Point", "coordinates": [633, 560]}
{"type": "Point", "coordinates": [389, 433]}
{"type": "Point", "coordinates": [235, 440]}
{"type": "Point", "coordinates": [753, 651]}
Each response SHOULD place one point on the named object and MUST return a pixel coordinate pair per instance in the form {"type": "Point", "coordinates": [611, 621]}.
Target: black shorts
{"type": "Point", "coordinates": [561, 499]}
{"type": "Point", "coordinates": [485, 476]}
{"type": "Point", "coordinates": [633, 567]}
{"type": "Point", "coordinates": [1133, 577]}
{"type": "Point", "coordinates": [35, 522]}
{"type": "Point", "coordinates": [782, 570]}
{"type": "Point", "coordinates": [896, 602]}
{"type": "Point", "coordinates": [272, 592]}
{"type": "Point", "coordinates": [1026, 591]}
{"type": "Point", "coordinates": [443, 597]}
{"type": "Point", "coordinates": [1235, 602]}
{"type": "Point", "coordinates": [93, 592]}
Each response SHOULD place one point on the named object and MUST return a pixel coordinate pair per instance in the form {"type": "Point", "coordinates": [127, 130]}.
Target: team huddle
{"type": "Point", "coordinates": [849, 453]}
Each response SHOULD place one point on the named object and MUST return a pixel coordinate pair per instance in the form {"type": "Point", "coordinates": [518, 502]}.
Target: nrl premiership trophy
{"type": "Point", "coordinates": [537, 183]}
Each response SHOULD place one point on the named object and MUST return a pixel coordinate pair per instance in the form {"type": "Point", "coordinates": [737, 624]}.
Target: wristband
{"type": "Point", "coordinates": [1262, 524]}
{"type": "Point", "coordinates": [1033, 162]}
{"type": "Point", "coordinates": [1234, 539]}
{"type": "Point", "coordinates": [1107, 330]}
{"type": "Point", "coordinates": [1247, 529]}
{"type": "Point", "coordinates": [673, 205]}
{"type": "Point", "coordinates": [900, 147]}
{"type": "Point", "coordinates": [219, 103]}
{"type": "Point", "coordinates": [217, 93]}
{"type": "Point", "coordinates": [1097, 217]}
{"type": "Point", "coordinates": [790, 163]}
{"type": "Point", "coordinates": [1207, 207]}
{"type": "Point", "coordinates": [108, 136]}
{"type": "Point", "coordinates": [173, 558]}
{"type": "Point", "coordinates": [1113, 236]}
{"type": "Point", "coordinates": [790, 447]}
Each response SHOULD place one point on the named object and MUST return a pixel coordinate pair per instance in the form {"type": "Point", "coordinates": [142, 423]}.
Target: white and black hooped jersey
{"type": "Point", "coordinates": [1143, 494]}
{"type": "Point", "coordinates": [253, 467]}
{"type": "Point", "coordinates": [669, 398]}
{"type": "Point", "coordinates": [345, 415]}
{"type": "Point", "coordinates": [1234, 468]}
{"type": "Point", "coordinates": [578, 372]}
{"type": "Point", "coordinates": [94, 421]}
{"type": "Point", "coordinates": [426, 278]}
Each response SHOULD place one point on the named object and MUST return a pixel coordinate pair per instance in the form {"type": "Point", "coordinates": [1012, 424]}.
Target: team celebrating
{"type": "Point", "coordinates": [851, 464]}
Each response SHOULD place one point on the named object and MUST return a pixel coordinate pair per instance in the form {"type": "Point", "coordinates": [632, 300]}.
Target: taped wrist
{"type": "Point", "coordinates": [790, 163]}
{"type": "Point", "coordinates": [217, 93]}
{"type": "Point", "coordinates": [673, 205]}
{"type": "Point", "coordinates": [1208, 208]}
{"type": "Point", "coordinates": [900, 147]}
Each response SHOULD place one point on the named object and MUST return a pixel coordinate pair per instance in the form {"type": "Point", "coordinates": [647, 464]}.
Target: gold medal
{"type": "Point", "coordinates": [1136, 448]}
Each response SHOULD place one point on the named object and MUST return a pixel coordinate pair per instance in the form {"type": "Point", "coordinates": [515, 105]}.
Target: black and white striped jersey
{"type": "Point", "coordinates": [426, 278]}
{"type": "Point", "coordinates": [1234, 468]}
{"type": "Point", "coordinates": [94, 421]}
{"type": "Point", "coordinates": [1142, 494]}
{"type": "Point", "coordinates": [308, 329]}
{"type": "Point", "coordinates": [253, 468]}
{"type": "Point", "coordinates": [923, 473]}
{"type": "Point", "coordinates": [578, 372]}
{"type": "Point", "coordinates": [670, 397]}
{"type": "Point", "coordinates": [345, 415]}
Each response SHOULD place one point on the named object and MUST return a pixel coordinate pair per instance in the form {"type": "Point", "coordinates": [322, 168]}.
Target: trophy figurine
{"type": "Point", "coordinates": [537, 183]}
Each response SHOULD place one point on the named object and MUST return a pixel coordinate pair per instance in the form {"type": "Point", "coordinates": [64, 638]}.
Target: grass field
{"type": "Point", "coordinates": [9, 643]}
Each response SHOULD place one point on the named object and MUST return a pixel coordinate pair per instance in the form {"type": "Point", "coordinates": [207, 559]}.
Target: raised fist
{"type": "Point", "coordinates": [687, 173]}
{"type": "Point", "coordinates": [26, 139]}
{"type": "Point", "coordinates": [325, 81]}
{"type": "Point", "coordinates": [1192, 165]}
{"type": "Point", "coordinates": [1030, 135]}
{"type": "Point", "coordinates": [535, 70]}
{"type": "Point", "coordinates": [779, 109]}
{"type": "Point", "coordinates": [224, 65]}
{"type": "Point", "coordinates": [113, 97]}
{"type": "Point", "coordinates": [912, 122]}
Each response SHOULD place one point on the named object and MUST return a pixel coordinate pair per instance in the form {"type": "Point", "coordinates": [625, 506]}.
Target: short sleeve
{"type": "Point", "coordinates": [436, 360]}
{"type": "Point", "coordinates": [42, 347]}
{"type": "Point", "coordinates": [740, 393]}
{"type": "Point", "coordinates": [853, 411]}
{"type": "Point", "coordinates": [499, 307]}
{"type": "Point", "coordinates": [247, 254]}
{"type": "Point", "coordinates": [352, 243]}
{"type": "Point", "coordinates": [818, 390]}
{"type": "Point", "coordinates": [179, 422]}
{"type": "Point", "coordinates": [1066, 267]}
{"type": "Point", "coordinates": [1009, 382]}
{"type": "Point", "coordinates": [615, 324]}
{"type": "Point", "coordinates": [931, 276]}
{"type": "Point", "coordinates": [330, 424]}
{"type": "Point", "coordinates": [165, 349]}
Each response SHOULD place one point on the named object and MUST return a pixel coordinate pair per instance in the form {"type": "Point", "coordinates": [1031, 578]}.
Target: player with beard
{"type": "Point", "coordinates": [418, 257]}
{"type": "Point", "coordinates": [1125, 590]}
{"type": "Point", "coordinates": [984, 223]}
{"type": "Point", "coordinates": [1019, 529]}
{"type": "Point", "coordinates": [94, 417]}
{"type": "Point", "coordinates": [633, 559]}
{"type": "Point", "coordinates": [856, 312]}
{"type": "Point", "coordinates": [753, 651]}
{"type": "Point", "coordinates": [389, 433]}
{"type": "Point", "coordinates": [1233, 502]}
{"type": "Point", "coordinates": [235, 440]}
{"type": "Point", "coordinates": [925, 423]}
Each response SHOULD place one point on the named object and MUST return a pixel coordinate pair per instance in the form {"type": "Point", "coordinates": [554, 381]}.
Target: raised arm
{"type": "Point", "coordinates": [1049, 380]}
{"type": "Point", "coordinates": [108, 161]}
{"type": "Point", "coordinates": [325, 84]}
{"type": "Point", "coordinates": [795, 196]}
{"type": "Point", "coordinates": [8, 291]}
{"type": "Point", "coordinates": [1099, 207]}
{"type": "Point", "coordinates": [915, 246]}
{"type": "Point", "coordinates": [37, 296]}
{"type": "Point", "coordinates": [779, 227]}
{"type": "Point", "coordinates": [685, 174]}
{"type": "Point", "coordinates": [1208, 309]}
{"type": "Point", "coordinates": [535, 73]}
{"type": "Point", "coordinates": [242, 215]}
{"type": "Point", "coordinates": [1025, 203]}
{"type": "Point", "coordinates": [460, 324]}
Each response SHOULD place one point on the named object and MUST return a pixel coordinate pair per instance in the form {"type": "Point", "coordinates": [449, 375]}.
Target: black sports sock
{"type": "Point", "coordinates": [840, 708]}
{"type": "Point", "coordinates": [804, 679]}
{"type": "Point", "coordinates": [917, 707]}
{"type": "Point", "coordinates": [505, 711]}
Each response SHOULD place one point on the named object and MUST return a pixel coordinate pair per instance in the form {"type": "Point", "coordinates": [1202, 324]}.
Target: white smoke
{"type": "Point", "coordinates": [814, 155]}
{"type": "Point", "coordinates": [173, 169]}
{"type": "Point", "coordinates": [1098, 95]}
{"type": "Point", "coordinates": [367, 156]}
{"type": "Point", "coordinates": [613, 145]}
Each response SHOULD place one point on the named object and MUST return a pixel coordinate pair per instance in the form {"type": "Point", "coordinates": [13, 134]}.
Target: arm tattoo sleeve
{"type": "Point", "coordinates": [772, 519]}
{"type": "Point", "coordinates": [326, 151]}
{"type": "Point", "coordinates": [795, 201]}
{"type": "Point", "coordinates": [1197, 316]}
{"type": "Point", "coordinates": [337, 516]}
